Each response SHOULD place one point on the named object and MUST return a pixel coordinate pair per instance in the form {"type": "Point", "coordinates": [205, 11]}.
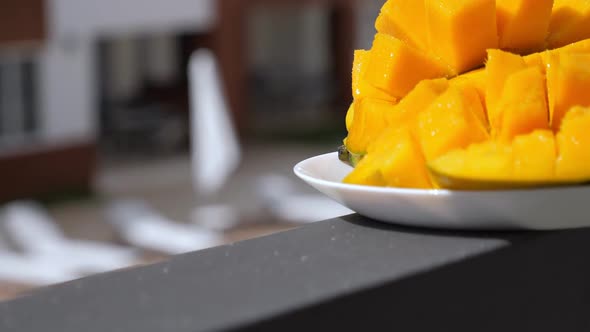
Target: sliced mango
{"type": "Point", "coordinates": [535, 156]}
{"type": "Point", "coordinates": [422, 96]}
{"type": "Point", "coordinates": [460, 32]}
{"type": "Point", "coordinates": [523, 24]}
{"type": "Point", "coordinates": [475, 78]}
{"type": "Point", "coordinates": [529, 161]}
{"type": "Point", "coordinates": [453, 121]}
{"type": "Point", "coordinates": [370, 118]}
{"type": "Point", "coordinates": [522, 108]}
{"type": "Point", "coordinates": [396, 67]}
{"type": "Point", "coordinates": [360, 87]}
{"type": "Point", "coordinates": [366, 173]}
{"type": "Point", "coordinates": [573, 142]}
{"type": "Point", "coordinates": [538, 60]}
{"type": "Point", "coordinates": [570, 22]}
{"type": "Point", "coordinates": [405, 20]}
{"type": "Point", "coordinates": [394, 160]}
{"type": "Point", "coordinates": [568, 79]}
{"type": "Point", "coordinates": [499, 67]}
{"type": "Point", "coordinates": [485, 161]}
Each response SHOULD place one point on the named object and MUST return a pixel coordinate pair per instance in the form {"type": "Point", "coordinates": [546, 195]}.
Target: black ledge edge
{"type": "Point", "coordinates": [344, 274]}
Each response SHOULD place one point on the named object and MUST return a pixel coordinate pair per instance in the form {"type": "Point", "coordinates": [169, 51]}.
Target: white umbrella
{"type": "Point", "coordinates": [215, 148]}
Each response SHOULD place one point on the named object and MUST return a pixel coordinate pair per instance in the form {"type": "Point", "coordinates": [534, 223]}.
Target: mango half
{"type": "Point", "coordinates": [451, 90]}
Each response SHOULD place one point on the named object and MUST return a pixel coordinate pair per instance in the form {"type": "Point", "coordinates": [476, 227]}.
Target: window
{"type": "Point", "coordinates": [18, 97]}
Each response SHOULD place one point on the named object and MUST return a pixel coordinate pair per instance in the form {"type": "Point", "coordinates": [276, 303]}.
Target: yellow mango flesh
{"type": "Point", "coordinates": [349, 116]}
{"type": "Point", "coordinates": [568, 79]}
{"type": "Point", "coordinates": [535, 156]}
{"type": "Point", "coordinates": [405, 20]}
{"type": "Point", "coordinates": [453, 121]}
{"type": "Point", "coordinates": [499, 67]}
{"type": "Point", "coordinates": [378, 114]}
{"type": "Point", "coordinates": [529, 158]}
{"type": "Point", "coordinates": [573, 142]}
{"type": "Point", "coordinates": [366, 173]}
{"type": "Point", "coordinates": [570, 22]}
{"type": "Point", "coordinates": [369, 119]}
{"type": "Point", "coordinates": [394, 160]}
{"type": "Point", "coordinates": [518, 119]}
{"type": "Point", "coordinates": [360, 87]}
{"type": "Point", "coordinates": [475, 78]}
{"type": "Point", "coordinates": [396, 67]}
{"type": "Point", "coordinates": [522, 108]}
{"type": "Point", "coordinates": [460, 32]}
{"type": "Point", "coordinates": [537, 60]}
{"type": "Point", "coordinates": [488, 160]}
{"type": "Point", "coordinates": [422, 96]}
{"type": "Point", "coordinates": [523, 24]}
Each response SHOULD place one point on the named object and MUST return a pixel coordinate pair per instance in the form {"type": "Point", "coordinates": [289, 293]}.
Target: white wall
{"type": "Point", "coordinates": [90, 17]}
{"type": "Point", "coordinates": [67, 62]}
{"type": "Point", "coordinates": [67, 91]}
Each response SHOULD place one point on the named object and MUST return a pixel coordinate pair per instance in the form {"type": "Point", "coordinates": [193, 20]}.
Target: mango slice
{"type": "Point", "coordinates": [360, 87]}
{"type": "Point", "coordinates": [535, 156]}
{"type": "Point", "coordinates": [570, 22]}
{"type": "Point", "coordinates": [485, 161]}
{"type": "Point", "coordinates": [523, 24]}
{"type": "Point", "coordinates": [528, 161]}
{"type": "Point", "coordinates": [499, 67]}
{"type": "Point", "coordinates": [405, 20]}
{"type": "Point", "coordinates": [573, 142]}
{"type": "Point", "coordinates": [476, 79]}
{"type": "Point", "coordinates": [460, 32]}
{"type": "Point", "coordinates": [394, 160]}
{"type": "Point", "coordinates": [568, 79]}
{"type": "Point", "coordinates": [366, 173]}
{"type": "Point", "coordinates": [349, 116]}
{"type": "Point", "coordinates": [370, 118]}
{"type": "Point", "coordinates": [522, 107]}
{"type": "Point", "coordinates": [397, 68]}
{"type": "Point", "coordinates": [422, 96]}
{"type": "Point", "coordinates": [453, 121]}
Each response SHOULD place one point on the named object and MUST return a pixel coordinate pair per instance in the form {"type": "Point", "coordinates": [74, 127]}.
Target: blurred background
{"type": "Point", "coordinates": [131, 130]}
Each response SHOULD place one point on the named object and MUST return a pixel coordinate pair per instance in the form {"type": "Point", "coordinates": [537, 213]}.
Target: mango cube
{"type": "Point", "coordinates": [453, 121]}
{"type": "Point", "coordinates": [573, 141]}
{"type": "Point", "coordinates": [366, 173]}
{"type": "Point", "coordinates": [535, 155]}
{"type": "Point", "coordinates": [570, 22]}
{"type": "Point", "coordinates": [568, 79]}
{"type": "Point", "coordinates": [499, 67]}
{"type": "Point", "coordinates": [523, 24]}
{"type": "Point", "coordinates": [396, 67]}
{"type": "Point", "coordinates": [393, 160]}
{"type": "Point", "coordinates": [360, 87]}
{"type": "Point", "coordinates": [460, 32]}
{"type": "Point", "coordinates": [370, 117]}
{"type": "Point", "coordinates": [422, 96]}
{"type": "Point", "coordinates": [405, 20]}
{"type": "Point", "coordinates": [522, 107]}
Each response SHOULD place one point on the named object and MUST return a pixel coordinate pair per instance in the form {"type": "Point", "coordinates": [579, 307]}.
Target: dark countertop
{"type": "Point", "coordinates": [347, 273]}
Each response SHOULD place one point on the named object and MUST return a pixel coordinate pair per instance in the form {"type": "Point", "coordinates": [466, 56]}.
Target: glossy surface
{"type": "Point", "coordinates": [460, 31]}
{"type": "Point", "coordinates": [523, 24]}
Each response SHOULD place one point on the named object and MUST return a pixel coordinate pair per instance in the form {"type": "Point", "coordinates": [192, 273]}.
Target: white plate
{"type": "Point", "coordinates": [531, 209]}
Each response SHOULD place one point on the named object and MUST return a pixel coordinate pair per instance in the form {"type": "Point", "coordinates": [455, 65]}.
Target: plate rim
{"type": "Point", "coordinates": [297, 169]}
